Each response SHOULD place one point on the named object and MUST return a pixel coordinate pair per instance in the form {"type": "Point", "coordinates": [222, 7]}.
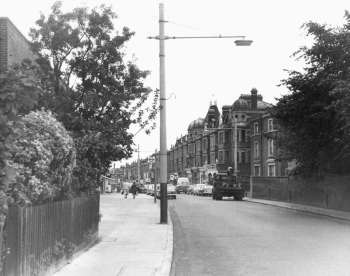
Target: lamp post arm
{"type": "Point", "coordinates": [195, 37]}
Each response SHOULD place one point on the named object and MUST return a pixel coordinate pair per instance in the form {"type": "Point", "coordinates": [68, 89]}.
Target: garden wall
{"type": "Point", "coordinates": [332, 191]}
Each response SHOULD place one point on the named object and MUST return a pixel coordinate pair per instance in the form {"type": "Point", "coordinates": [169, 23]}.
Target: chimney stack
{"type": "Point", "coordinates": [254, 99]}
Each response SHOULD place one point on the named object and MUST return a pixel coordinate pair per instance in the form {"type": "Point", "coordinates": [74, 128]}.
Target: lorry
{"type": "Point", "coordinates": [225, 185]}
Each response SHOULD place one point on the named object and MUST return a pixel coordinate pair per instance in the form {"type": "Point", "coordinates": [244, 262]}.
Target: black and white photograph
{"type": "Point", "coordinates": [174, 138]}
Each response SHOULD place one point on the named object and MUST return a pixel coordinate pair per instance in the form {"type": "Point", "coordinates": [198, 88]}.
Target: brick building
{"type": "Point", "coordinates": [209, 145]}
{"type": "Point", "coordinates": [14, 47]}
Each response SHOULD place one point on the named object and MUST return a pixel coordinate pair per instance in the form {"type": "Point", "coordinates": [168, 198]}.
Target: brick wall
{"type": "Point", "coordinates": [332, 191]}
{"type": "Point", "coordinates": [14, 47]}
{"type": "Point", "coordinates": [270, 188]}
{"type": "Point", "coordinates": [3, 44]}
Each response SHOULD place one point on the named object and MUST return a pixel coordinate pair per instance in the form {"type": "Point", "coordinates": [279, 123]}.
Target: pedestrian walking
{"type": "Point", "coordinates": [126, 193]}
{"type": "Point", "coordinates": [133, 190]}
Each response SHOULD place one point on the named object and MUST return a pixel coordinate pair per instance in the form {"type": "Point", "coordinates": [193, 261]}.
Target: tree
{"type": "Point", "coordinates": [96, 93]}
{"type": "Point", "coordinates": [315, 116]}
{"type": "Point", "coordinates": [42, 155]}
{"type": "Point", "coordinates": [20, 89]}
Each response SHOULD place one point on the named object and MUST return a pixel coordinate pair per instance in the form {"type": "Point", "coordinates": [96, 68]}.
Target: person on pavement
{"type": "Point", "coordinates": [126, 193]}
{"type": "Point", "coordinates": [133, 190]}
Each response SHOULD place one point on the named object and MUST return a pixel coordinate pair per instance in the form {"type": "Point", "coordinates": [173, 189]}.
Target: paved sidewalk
{"type": "Point", "coordinates": [304, 208]}
{"type": "Point", "coordinates": [132, 241]}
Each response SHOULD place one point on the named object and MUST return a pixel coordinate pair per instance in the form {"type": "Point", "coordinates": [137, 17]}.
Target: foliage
{"type": "Point", "coordinates": [43, 156]}
{"type": "Point", "coordinates": [315, 116]}
{"type": "Point", "coordinates": [97, 94]}
{"type": "Point", "coordinates": [63, 248]}
{"type": "Point", "coordinates": [20, 88]}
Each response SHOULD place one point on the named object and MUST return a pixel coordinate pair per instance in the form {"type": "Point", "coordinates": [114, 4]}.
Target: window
{"type": "Point", "coordinates": [270, 147]}
{"type": "Point", "coordinates": [256, 149]}
{"type": "Point", "coordinates": [221, 138]}
{"type": "Point", "coordinates": [243, 135]}
{"type": "Point", "coordinates": [270, 125]}
{"type": "Point", "coordinates": [247, 136]}
{"type": "Point", "coordinates": [198, 149]}
{"type": "Point", "coordinates": [256, 128]}
{"type": "Point", "coordinates": [271, 169]}
{"type": "Point", "coordinates": [226, 158]}
{"type": "Point", "coordinates": [256, 170]}
{"type": "Point", "coordinates": [239, 157]}
{"type": "Point", "coordinates": [205, 159]}
{"type": "Point", "coordinates": [204, 144]}
{"type": "Point", "coordinates": [198, 161]}
{"type": "Point", "coordinates": [212, 142]}
{"type": "Point", "coordinates": [221, 156]}
{"type": "Point", "coordinates": [212, 158]}
{"type": "Point", "coordinates": [243, 160]}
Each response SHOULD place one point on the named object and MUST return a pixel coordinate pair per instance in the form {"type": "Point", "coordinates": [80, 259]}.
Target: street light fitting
{"type": "Point", "coordinates": [243, 42]}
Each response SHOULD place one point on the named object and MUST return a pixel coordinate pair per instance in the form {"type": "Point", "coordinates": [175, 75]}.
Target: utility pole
{"type": "Point", "coordinates": [163, 148]}
{"type": "Point", "coordinates": [241, 41]}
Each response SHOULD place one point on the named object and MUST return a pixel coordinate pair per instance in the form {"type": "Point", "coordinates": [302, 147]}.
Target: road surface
{"type": "Point", "coordinates": [243, 238]}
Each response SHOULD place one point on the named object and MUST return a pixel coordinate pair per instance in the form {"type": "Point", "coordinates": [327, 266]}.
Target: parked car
{"type": "Point", "coordinates": [198, 189]}
{"type": "Point", "coordinates": [171, 191]}
{"type": "Point", "coordinates": [190, 190]}
{"type": "Point", "coordinates": [182, 181]}
{"type": "Point", "coordinates": [207, 190]}
{"type": "Point", "coordinates": [182, 189]}
{"type": "Point", "coordinates": [150, 189]}
{"type": "Point", "coordinates": [141, 189]}
{"type": "Point", "coordinates": [108, 188]}
{"type": "Point", "coordinates": [182, 185]}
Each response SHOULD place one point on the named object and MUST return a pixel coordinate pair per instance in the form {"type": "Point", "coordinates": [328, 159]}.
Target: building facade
{"type": "Point", "coordinates": [243, 136]}
{"type": "Point", "coordinates": [14, 47]}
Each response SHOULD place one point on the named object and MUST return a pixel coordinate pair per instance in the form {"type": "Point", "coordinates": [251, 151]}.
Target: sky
{"type": "Point", "coordinates": [200, 71]}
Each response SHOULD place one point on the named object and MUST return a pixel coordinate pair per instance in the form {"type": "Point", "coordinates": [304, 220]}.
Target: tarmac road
{"type": "Point", "coordinates": [243, 238]}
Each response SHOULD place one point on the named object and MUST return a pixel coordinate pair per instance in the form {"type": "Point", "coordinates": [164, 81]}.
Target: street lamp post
{"type": "Point", "coordinates": [240, 41]}
{"type": "Point", "coordinates": [163, 148]}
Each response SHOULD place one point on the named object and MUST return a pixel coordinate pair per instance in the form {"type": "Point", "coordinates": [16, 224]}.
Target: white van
{"type": "Point", "coordinates": [183, 181]}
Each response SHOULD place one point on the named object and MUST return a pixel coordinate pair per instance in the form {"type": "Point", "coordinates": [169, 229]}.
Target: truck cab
{"type": "Point", "coordinates": [225, 185]}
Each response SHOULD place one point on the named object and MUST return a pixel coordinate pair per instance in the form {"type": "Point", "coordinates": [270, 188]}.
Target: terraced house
{"type": "Point", "coordinates": [243, 136]}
